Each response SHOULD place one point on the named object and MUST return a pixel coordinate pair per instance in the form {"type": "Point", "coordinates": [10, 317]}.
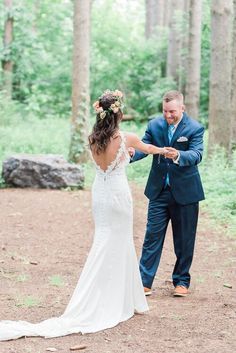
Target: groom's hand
{"type": "Point", "coordinates": [171, 153]}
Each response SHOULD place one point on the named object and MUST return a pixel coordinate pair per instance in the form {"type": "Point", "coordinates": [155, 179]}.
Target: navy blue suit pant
{"type": "Point", "coordinates": [184, 224]}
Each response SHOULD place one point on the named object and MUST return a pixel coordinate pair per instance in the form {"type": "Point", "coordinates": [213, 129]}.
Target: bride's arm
{"type": "Point", "coordinates": [134, 141]}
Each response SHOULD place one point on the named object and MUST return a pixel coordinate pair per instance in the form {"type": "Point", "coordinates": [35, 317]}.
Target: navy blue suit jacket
{"type": "Point", "coordinates": [184, 177]}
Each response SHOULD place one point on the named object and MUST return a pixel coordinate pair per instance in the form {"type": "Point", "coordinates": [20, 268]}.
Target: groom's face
{"type": "Point", "coordinates": [173, 111]}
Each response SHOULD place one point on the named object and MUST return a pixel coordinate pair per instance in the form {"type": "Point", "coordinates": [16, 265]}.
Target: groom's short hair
{"type": "Point", "coordinates": [173, 95]}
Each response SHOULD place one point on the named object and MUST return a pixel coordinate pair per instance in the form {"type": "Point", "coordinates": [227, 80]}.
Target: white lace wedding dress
{"type": "Point", "coordinates": [109, 289]}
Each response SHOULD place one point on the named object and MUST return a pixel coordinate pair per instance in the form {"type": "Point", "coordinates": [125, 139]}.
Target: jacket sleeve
{"type": "Point", "coordinates": [193, 155]}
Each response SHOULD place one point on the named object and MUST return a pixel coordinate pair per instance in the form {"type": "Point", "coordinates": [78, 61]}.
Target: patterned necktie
{"type": "Point", "coordinates": [171, 130]}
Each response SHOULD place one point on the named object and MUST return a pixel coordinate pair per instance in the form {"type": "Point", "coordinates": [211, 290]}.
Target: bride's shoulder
{"type": "Point", "coordinates": [130, 137]}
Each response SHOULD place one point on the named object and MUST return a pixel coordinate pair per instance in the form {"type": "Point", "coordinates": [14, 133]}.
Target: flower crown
{"type": "Point", "coordinates": [114, 107]}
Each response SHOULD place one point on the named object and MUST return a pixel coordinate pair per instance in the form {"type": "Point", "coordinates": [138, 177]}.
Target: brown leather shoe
{"type": "Point", "coordinates": [147, 291]}
{"type": "Point", "coordinates": [180, 291]}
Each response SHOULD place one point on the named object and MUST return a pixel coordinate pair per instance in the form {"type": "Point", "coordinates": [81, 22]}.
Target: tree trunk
{"type": "Point", "coordinates": [160, 12]}
{"type": "Point", "coordinates": [7, 64]}
{"type": "Point", "coordinates": [233, 87]}
{"type": "Point", "coordinates": [194, 59]}
{"type": "Point", "coordinates": [166, 15]}
{"type": "Point", "coordinates": [155, 16]}
{"type": "Point", "coordinates": [220, 77]}
{"type": "Point", "coordinates": [150, 24]}
{"type": "Point", "coordinates": [80, 82]}
{"type": "Point", "coordinates": [184, 48]}
{"type": "Point", "coordinates": [175, 39]}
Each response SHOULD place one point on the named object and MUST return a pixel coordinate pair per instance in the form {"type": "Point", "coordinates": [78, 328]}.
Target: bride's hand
{"type": "Point", "coordinates": [131, 151]}
{"type": "Point", "coordinates": [163, 150]}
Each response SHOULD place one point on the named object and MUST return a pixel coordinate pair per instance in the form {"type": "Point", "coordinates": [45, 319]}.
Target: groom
{"type": "Point", "coordinates": [174, 190]}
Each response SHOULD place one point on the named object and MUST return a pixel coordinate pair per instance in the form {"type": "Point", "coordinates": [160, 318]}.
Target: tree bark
{"type": "Point", "coordinates": [233, 87]}
{"type": "Point", "coordinates": [160, 12]}
{"type": "Point", "coordinates": [166, 15]}
{"type": "Point", "coordinates": [80, 82]}
{"type": "Point", "coordinates": [220, 76]}
{"type": "Point", "coordinates": [148, 15]}
{"type": "Point", "coordinates": [184, 48]}
{"type": "Point", "coordinates": [154, 16]}
{"type": "Point", "coordinates": [175, 39]}
{"type": "Point", "coordinates": [7, 63]}
{"type": "Point", "coordinates": [150, 24]}
{"type": "Point", "coordinates": [194, 59]}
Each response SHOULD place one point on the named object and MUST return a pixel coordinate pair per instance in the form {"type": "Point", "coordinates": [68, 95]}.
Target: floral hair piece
{"type": "Point", "coordinates": [114, 107]}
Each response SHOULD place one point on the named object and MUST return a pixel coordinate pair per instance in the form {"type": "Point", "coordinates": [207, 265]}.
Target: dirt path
{"type": "Point", "coordinates": [54, 230]}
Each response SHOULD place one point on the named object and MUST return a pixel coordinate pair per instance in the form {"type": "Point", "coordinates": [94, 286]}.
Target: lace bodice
{"type": "Point", "coordinates": [117, 166]}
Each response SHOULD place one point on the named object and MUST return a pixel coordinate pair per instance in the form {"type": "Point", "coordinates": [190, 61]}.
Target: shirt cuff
{"type": "Point", "coordinates": [176, 160]}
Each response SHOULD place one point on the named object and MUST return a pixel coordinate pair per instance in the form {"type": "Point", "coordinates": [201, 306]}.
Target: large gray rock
{"type": "Point", "coordinates": [41, 171]}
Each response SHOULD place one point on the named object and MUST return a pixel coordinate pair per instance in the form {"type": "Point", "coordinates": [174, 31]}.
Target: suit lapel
{"type": "Point", "coordinates": [165, 133]}
{"type": "Point", "coordinates": [179, 129]}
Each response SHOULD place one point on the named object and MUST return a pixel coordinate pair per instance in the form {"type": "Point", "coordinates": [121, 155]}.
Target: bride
{"type": "Point", "coordinates": [109, 289]}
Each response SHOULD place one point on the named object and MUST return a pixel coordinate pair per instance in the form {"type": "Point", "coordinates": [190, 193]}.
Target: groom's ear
{"type": "Point", "coordinates": [183, 108]}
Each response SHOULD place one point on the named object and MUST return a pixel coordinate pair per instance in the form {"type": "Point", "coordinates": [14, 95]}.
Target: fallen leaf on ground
{"type": "Point", "coordinates": [227, 285]}
{"type": "Point", "coordinates": [75, 348]}
{"type": "Point", "coordinates": [51, 349]}
{"type": "Point", "coordinates": [34, 262]}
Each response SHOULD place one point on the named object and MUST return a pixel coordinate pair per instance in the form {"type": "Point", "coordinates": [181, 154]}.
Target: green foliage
{"type": "Point", "coordinates": [122, 59]}
{"type": "Point", "coordinates": [41, 52]}
{"type": "Point", "coordinates": [220, 189]}
{"type": "Point", "coordinates": [27, 302]}
{"type": "Point", "coordinates": [56, 280]}
{"type": "Point", "coordinates": [138, 171]}
{"type": "Point", "coordinates": [205, 63]}
{"type": "Point", "coordinates": [35, 136]}
{"type": "Point", "coordinates": [11, 111]}
{"type": "Point", "coordinates": [22, 277]}
{"type": "Point", "coordinates": [129, 63]}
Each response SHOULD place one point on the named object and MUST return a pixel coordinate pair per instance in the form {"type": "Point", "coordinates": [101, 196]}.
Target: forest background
{"type": "Point", "coordinates": [142, 48]}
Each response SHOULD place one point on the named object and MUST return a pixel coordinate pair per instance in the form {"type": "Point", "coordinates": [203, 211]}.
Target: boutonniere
{"type": "Point", "coordinates": [182, 139]}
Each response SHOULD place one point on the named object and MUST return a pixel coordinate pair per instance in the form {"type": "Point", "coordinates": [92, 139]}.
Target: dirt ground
{"type": "Point", "coordinates": [45, 237]}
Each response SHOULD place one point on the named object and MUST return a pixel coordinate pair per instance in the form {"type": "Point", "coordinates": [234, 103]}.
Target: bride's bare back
{"type": "Point", "coordinates": [104, 159]}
